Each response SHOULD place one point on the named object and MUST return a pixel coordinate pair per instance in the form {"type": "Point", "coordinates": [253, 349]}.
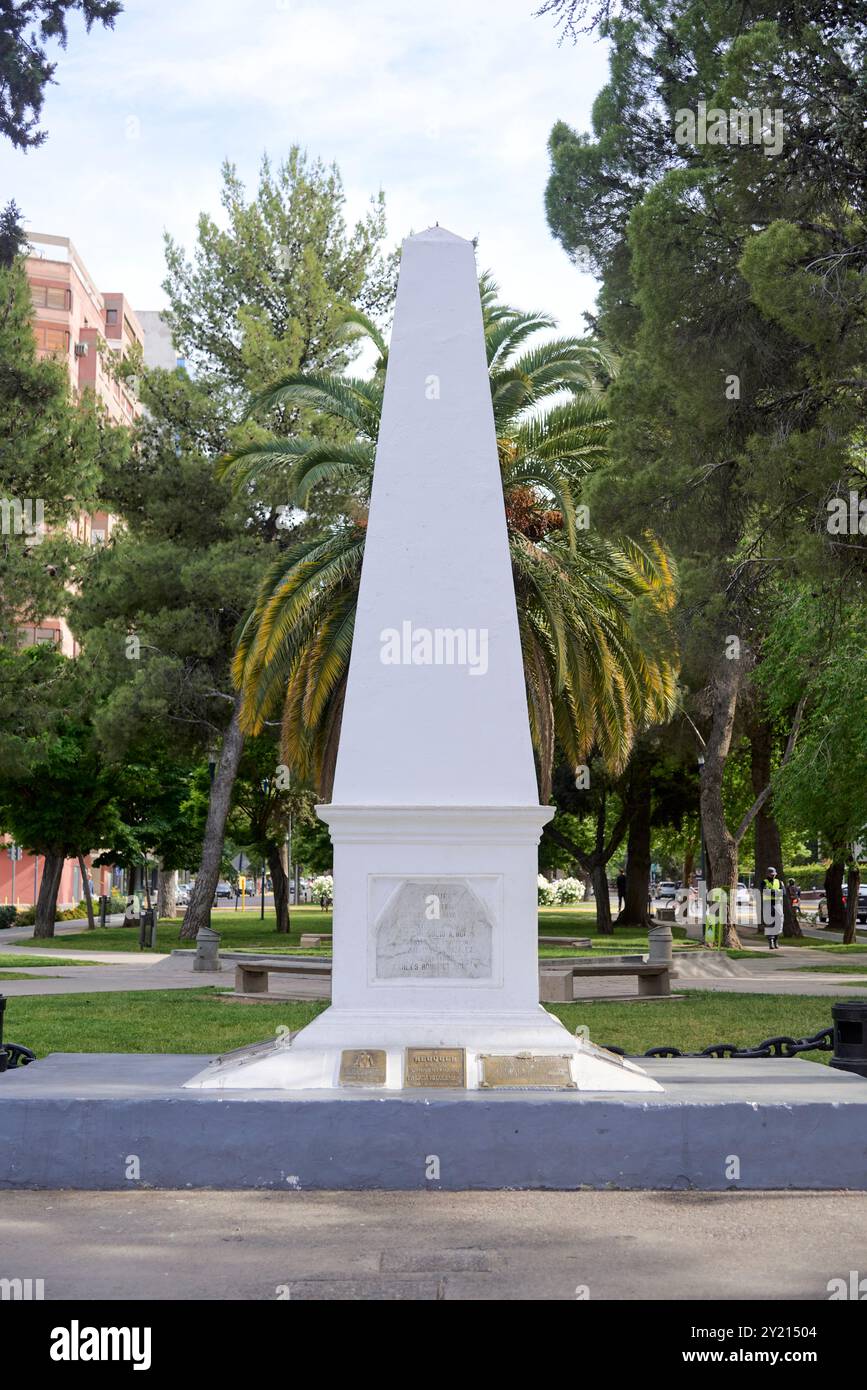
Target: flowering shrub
{"type": "Point", "coordinates": [322, 886]}
{"type": "Point", "coordinates": [546, 892]}
{"type": "Point", "coordinates": [568, 890]}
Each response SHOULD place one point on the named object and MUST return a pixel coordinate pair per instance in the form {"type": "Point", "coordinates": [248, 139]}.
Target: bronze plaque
{"type": "Point", "coordinates": [363, 1067]}
{"type": "Point", "coordinates": [435, 1066]}
{"type": "Point", "coordinates": [524, 1072]}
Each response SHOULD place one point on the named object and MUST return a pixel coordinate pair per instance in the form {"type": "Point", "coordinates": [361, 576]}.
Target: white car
{"type": "Point", "coordinates": [665, 892]}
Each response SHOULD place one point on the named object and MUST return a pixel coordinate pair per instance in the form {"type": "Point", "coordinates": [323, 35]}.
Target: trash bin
{"type": "Point", "coordinates": [146, 929]}
{"type": "Point", "coordinates": [850, 1036]}
{"type": "Point", "coordinates": [103, 910]}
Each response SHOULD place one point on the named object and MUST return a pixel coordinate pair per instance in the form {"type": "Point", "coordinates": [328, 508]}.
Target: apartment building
{"type": "Point", "coordinates": [84, 328]}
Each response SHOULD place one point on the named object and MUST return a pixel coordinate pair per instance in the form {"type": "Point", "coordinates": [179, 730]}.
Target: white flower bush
{"type": "Point", "coordinates": [547, 896]}
{"type": "Point", "coordinates": [322, 884]}
{"type": "Point", "coordinates": [568, 890]}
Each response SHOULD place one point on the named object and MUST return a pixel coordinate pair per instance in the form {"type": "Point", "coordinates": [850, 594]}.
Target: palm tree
{"type": "Point", "coordinates": [591, 682]}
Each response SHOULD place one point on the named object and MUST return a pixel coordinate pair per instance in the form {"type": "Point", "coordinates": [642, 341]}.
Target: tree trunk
{"type": "Point", "coordinates": [85, 888]}
{"type": "Point", "coordinates": [198, 914]}
{"type": "Point", "coordinates": [769, 848]}
{"type": "Point", "coordinates": [853, 883]}
{"type": "Point", "coordinates": [599, 876]}
{"type": "Point", "coordinates": [688, 864]}
{"type": "Point", "coordinates": [721, 848]}
{"type": "Point", "coordinates": [834, 895]}
{"type": "Point", "coordinates": [46, 903]}
{"type": "Point", "coordinates": [634, 913]}
{"type": "Point", "coordinates": [281, 887]}
{"type": "Point", "coordinates": [167, 892]}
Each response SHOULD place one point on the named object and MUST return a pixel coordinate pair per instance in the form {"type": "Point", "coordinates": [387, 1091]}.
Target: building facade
{"type": "Point", "coordinates": [89, 330]}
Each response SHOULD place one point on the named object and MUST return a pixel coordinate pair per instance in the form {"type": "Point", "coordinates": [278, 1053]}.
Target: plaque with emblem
{"type": "Point", "coordinates": [525, 1072]}
{"type": "Point", "coordinates": [362, 1066]}
{"type": "Point", "coordinates": [435, 1066]}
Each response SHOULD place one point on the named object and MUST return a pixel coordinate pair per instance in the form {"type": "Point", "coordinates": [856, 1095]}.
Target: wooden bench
{"type": "Point", "coordinates": [557, 986]}
{"type": "Point", "coordinates": [585, 942]}
{"type": "Point", "coordinates": [251, 977]}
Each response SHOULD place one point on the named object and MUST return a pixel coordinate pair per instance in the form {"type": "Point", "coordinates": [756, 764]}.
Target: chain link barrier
{"type": "Point", "coordinates": [771, 1047]}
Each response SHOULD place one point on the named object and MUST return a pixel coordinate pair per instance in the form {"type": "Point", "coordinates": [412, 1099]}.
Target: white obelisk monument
{"type": "Point", "coordinates": [435, 817]}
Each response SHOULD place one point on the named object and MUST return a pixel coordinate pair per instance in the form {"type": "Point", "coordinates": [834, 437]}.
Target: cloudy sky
{"type": "Point", "coordinates": [445, 106]}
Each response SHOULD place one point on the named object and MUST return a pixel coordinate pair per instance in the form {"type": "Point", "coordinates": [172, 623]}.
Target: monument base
{"type": "Point", "coordinates": [379, 1052]}
{"type": "Point", "coordinates": [789, 1123]}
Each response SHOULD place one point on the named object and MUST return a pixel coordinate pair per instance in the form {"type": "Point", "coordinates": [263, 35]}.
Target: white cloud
{"type": "Point", "coordinates": [445, 106]}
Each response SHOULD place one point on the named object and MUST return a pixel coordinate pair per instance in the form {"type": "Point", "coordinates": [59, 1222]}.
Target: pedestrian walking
{"type": "Point", "coordinates": [772, 908]}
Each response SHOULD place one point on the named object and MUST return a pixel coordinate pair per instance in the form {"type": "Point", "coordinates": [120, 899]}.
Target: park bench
{"type": "Point", "coordinates": [251, 977]}
{"type": "Point", "coordinates": [556, 984]}
{"type": "Point", "coordinates": [321, 938]}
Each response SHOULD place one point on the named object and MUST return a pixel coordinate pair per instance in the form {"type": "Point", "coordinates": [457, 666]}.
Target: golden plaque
{"type": "Point", "coordinates": [524, 1072]}
{"type": "Point", "coordinates": [362, 1067]}
{"type": "Point", "coordinates": [435, 1066]}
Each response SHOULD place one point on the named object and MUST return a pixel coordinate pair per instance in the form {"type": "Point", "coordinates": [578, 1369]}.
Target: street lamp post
{"type": "Point", "coordinates": [700, 821]}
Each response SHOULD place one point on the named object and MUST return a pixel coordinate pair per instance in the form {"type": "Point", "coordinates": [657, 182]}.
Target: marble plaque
{"type": "Point", "coordinates": [362, 1067]}
{"type": "Point", "coordinates": [527, 1073]}
{"type": "Point", "coordinates": [434, 929]}
{"type": "Point", "coordinates": [435, 1066]}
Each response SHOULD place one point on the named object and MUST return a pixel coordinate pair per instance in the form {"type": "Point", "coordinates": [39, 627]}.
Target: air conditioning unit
{"type": "Point", "coordinates": [81, 349]}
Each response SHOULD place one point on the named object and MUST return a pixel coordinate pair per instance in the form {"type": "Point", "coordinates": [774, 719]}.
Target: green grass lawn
{"type": "Point", "coordinates": [702, 1017]}
{"type": "Point", "coordinates": [240, 931]}
{"type": "Point", "coordinates": [200, 1021]}
{"type": "Point", "coordinates": [243, 931]}
{"type": "Point", "coordinates": [845, 967]}
{"type": "Point", "coordinates": [12, 962]}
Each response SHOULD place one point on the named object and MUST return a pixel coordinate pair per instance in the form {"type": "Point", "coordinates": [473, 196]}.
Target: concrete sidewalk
{"type": "Point", "coordinates": [457, 1246]}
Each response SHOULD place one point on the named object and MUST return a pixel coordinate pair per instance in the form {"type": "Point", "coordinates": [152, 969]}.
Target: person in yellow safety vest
{"type": "Point", "coordinates": [772, 908]}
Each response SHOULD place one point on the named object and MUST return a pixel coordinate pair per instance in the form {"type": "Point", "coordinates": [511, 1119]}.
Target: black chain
{"type": "Point", "coordinates": [771, 1047]}
{"type": "Point", "coordinates": [14, 1055]}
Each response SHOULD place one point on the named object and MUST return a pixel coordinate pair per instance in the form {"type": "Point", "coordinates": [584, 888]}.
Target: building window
{"type": "Point", "coordinates": [39, 637]}
{"type": "Point", "coordinates": [52, 339]}
{"type": "Point", "coordinates": [50, 297]}
{"type": "Point", "coordinates": [111, 316]}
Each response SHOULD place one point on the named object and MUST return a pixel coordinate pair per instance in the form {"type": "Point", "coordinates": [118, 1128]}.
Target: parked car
{"type": "Point", "coordinates": [665, 892]}
{"type": "Point", "coordinates": [224, 890]}
{"type": "Point", "coordinates": [861, 911]}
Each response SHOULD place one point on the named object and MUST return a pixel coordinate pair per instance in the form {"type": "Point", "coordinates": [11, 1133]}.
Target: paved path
{"type": "Point", "coordinates": [419, 1246]}
{"type": "Point", "coordinates": [119, 970]}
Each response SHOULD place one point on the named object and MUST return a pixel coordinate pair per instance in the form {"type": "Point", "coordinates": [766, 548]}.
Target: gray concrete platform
{"type": "Point", "coordinates": [94, 1121]}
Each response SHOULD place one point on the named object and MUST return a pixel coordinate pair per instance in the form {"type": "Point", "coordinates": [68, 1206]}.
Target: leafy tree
{"type": "Point", "coordinates": [56, 791]}
{"type": "Point", "coordinates": [590, 680]}
{"type": "Point", "coordinates": [264, 296]}
{"type": "Point", "coordinates": [13, 238]}
{"type": "Point", "coordinates": [53, 451]}
{"type": "Point", "coordinates": [732, 287]}
{"type": "Point", "coordinates": [27, 27]}
{"type": "Point", "coordinates": [817, 646]}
